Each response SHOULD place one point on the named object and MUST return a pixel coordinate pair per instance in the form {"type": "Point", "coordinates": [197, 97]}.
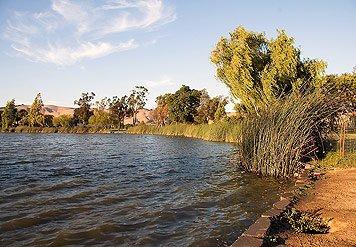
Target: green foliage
{"type": "Point", "coordinates": [342, 86]}
{"type": "Point", "coordinates": [63, 121]}
{"type": "Point", "coordinates": [220, 131]}
{"type": "Point", "coordinates": [259, 71]}
{"type": "Point", "coordinates": [333, 159]}
{"type": "Point", "coordinates": [208, 107]}
{"type": "Point", "coordinates": [137, 100]}
{"type": "Point", "coordinates": [306, 222]}
{"type": "Point", "coordinates": [220, 112]}
{"type": "Point", "coordinates": [83, 113]}
{"type": "Point", "coordinates": [100, 119]}
{"type": "Point", "coordinates": [183, 104]}
{"type": "Point", "coordinates": [35, 116]}
{"type": "Point", "coordinates": [9, 114]}
{"type": "Point", "coordinates": [119, 109]}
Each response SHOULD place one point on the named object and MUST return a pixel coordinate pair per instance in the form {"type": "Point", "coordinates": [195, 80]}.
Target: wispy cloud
{"type": "Point", "coordinates": [70, 31]}
{"type": "Point", "coordinates": [162, 82]}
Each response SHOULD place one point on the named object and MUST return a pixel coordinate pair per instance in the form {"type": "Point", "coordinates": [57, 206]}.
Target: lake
{"type": "Point", "coordinates": [125, 190]}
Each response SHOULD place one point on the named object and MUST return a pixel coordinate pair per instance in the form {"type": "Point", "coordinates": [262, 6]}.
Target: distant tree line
{"type": "Point", "coordinates": [186, 105]}
{"type": "Point", "coordinates": [106, 113]}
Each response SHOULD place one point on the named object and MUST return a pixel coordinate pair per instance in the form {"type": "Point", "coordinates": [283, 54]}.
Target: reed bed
{"type": "Point", "coordinates": [220, 131]}
{"type": "Point", "coordinates": [277, 140]}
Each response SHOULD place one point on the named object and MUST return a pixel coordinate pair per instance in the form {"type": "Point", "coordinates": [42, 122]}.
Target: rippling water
{"type": "Point", "coordinates": [124, 190]}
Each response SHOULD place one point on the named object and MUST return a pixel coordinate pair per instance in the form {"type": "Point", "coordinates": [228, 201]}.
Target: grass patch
{"type": "Point", "coordinates": [334, 160]}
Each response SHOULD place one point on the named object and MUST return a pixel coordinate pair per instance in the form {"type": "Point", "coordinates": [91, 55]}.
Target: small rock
{"type": "Point", "coordinates": [259, 228]}
{"type": "Point", "coordinates": [246, 241]}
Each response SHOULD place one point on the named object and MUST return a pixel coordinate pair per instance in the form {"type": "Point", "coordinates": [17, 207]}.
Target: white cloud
{"type": "Point", "coordinates": [163, 82]}
{"type": "Point", "coordinates": [64, 56]}
{"type": "Point", "coordinates": [152, 12]}
{"type": "Point", "coordinates": [71, 31]}
{"type": "Point", "coordinates": [72, 13]}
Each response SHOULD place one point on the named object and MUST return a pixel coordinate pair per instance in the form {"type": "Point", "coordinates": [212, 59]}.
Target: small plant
{"type": "Point", "coordinates": [307, 221]}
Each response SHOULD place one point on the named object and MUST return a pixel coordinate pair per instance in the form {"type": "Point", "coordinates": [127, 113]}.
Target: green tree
{"type": "Point", "coordinates": [136, 101]}
{"type": "Point", "coordinates": [83, 112]}
{"type": "Point", "coordinates": [101, 117]}
{"type": "Point", "coordinates": [344, 87]}
{"type": "Point", "coordinates": [63, 121]}
{"type": "Point", "coordinates": [258, 71]}
{"type": "Point", "coordinates": [220, 112]}
{"type": "Point", "coordinates": [183, 105]}
{"type": "Point", "coordinates": [35, 116]}
{"type": "Point", "coordinates": [119, 109]}
{"type": "Point", "coordinates": [8, 116]}
{"type": "Point", "coordinates": [208, 107]}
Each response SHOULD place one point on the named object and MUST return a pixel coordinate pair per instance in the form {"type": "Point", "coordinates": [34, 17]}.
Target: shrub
{"type": "Point", "coordinates": [63, 121]}
{"type": "Point", "coordinates": [307, 221]}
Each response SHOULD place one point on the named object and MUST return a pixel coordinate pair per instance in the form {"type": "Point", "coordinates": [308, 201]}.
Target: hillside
{"type": "Point", "coordinates": [143, 116]}
{"type": "Point", "coordinates": [52, 109]}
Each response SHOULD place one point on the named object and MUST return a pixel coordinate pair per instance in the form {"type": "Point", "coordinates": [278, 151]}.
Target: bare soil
{"type": "Point", "coordinates": [335, 194]}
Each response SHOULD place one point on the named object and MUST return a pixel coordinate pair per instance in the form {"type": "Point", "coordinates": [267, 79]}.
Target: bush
{"type": "Point", "coordinates": [306, 222]}
{"type": "Point", "coordinates": [63, 121]}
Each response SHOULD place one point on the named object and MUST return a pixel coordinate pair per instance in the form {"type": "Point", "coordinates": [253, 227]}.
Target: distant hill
{"type": "Point", "coordinates": [143, 116]}
{"type": "Point", "coordinates": [52, 109]}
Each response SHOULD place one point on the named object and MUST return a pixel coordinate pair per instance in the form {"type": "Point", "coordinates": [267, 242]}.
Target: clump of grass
{"type": "Point", "coordinates": [334, 159]}
{"type": "Point", "coordinates": [276, 140]}
{"type": "Point", "coordinates": [221, 131]}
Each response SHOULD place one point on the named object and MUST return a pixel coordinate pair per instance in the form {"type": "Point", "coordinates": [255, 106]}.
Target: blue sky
{"type": "Point", "coordinates": [62, 48]}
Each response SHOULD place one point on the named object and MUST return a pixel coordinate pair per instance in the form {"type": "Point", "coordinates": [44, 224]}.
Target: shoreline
{"type": "Point", "coordinates": [255, 234]}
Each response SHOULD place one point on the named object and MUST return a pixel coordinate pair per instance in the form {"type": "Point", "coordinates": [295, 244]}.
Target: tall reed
{"type": "Point", "coordinates": [275, 141]}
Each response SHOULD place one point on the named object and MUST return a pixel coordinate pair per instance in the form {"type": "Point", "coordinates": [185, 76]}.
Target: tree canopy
{"type": "Point", "coordinates": [83, 113]}
{"type": "Point", "coordinates": [258, 70]}
{"type": "Point", "coordinates": [137, 100]}
{"type": "Point", "coordinates": [8, 116]}
{"type": "Point", "coordinates": [35, 116]}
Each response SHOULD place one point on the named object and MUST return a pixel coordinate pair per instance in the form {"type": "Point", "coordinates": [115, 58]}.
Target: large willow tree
{"type": "Point", "coordinates": [259, 71]}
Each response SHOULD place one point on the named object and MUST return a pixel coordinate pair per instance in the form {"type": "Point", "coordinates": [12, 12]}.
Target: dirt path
{"type": "Point", "coordinates": [335, 193]}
